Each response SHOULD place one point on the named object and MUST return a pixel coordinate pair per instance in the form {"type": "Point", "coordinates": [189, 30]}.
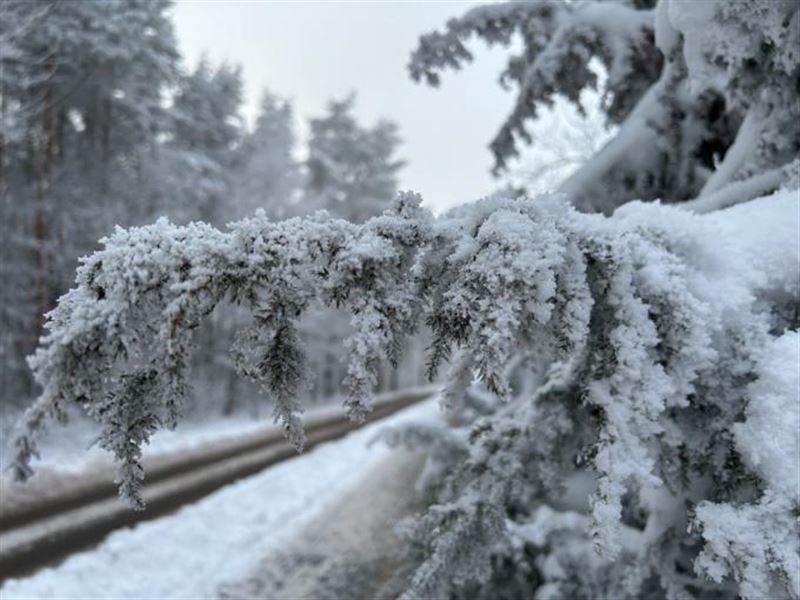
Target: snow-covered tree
{"type": "Point", "coordinates": [269, 175]}
{"type": "Point", "coordinates": [703, 93]}
{"type": "Point", "coordinates": [88, 140]}
{"type": "Point", "coordinates": [351, 169]}
{"type": "Point", "coordinates": [192, 176]}
{"type": "Point", "coordinates": [635, 427]}
{"type": "Point", "coordinates": [80, 101]}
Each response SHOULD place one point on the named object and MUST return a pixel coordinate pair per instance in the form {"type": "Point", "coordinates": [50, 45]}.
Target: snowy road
{"type": "Point", "coordinates": [221, 539]}
{"type": "Point", "coordinates": [349, 551]}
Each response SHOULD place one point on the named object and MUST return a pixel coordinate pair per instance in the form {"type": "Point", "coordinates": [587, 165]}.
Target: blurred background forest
{"type": "Point", "coordinates": [103, 125]}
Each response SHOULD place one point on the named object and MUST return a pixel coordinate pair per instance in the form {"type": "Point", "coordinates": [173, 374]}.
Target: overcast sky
{"type": "Point", "coordinates": [312, 51]}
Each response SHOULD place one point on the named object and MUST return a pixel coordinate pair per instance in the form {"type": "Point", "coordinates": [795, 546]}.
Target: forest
{"type": "Point", "coordinates": [613, 333]}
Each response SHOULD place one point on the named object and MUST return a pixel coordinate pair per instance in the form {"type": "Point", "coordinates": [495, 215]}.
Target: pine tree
{"type": "Point", "coordinates": [268, 174]}
{"type": "Point", "coordinates": [81, 101]}
{"type": "Point", "coordinates": [351, 169]}
{"type": "Point", "coordinates": [192, 178]}
{"type": "Point", "coordinates": [660, 353]}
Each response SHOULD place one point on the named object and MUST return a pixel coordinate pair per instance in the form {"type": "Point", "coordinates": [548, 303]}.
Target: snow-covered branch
{"type": "Point", "coordinates": [559, 40]}
{"type": "Point", "coordinates": [693, 112]}
{"type": "Point", "coordinates": [745, 190]}
{"type": "Point", "coordinates": [652, 336]}
{"type": "Point", "coordinates": [118, 343]}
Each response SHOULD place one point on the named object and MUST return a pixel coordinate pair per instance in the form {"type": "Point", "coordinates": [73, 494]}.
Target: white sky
{"type": "Point", "coordinates": [312, 51]}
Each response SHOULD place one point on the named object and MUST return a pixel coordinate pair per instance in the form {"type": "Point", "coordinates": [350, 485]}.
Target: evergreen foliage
{"type": "Point", "coordinates": [653, 373]}
{"type": "Point", "coordinates": [704, 94]}
{"type": "Point", "coordinates": [351, 169]}
{"type": "Point", "coordinates": [623, 389]}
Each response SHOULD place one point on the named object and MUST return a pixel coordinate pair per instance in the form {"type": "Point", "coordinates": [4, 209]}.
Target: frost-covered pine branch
{"type": "Point", "coordinates": [128, 323]}
{"type": "Point", "coordinates": [653, 368]}
{"type": "Point", "coordinates": [656, 345]}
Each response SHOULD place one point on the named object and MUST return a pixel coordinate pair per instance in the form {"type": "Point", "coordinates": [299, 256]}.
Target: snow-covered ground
{"type": "Point", "coordinates": [220, 539]}
{"type": "Point", "coordinates": [351, 550]}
